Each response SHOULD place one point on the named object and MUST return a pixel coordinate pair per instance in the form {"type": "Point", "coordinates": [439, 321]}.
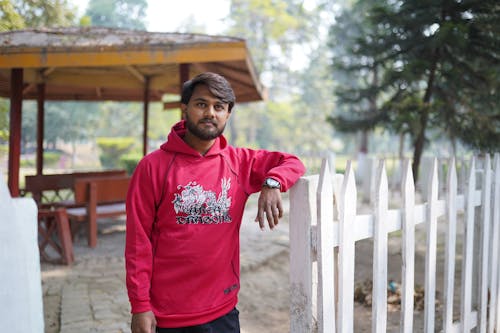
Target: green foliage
{"type": "Point", "coordinates": [85, 21]}
{"type": "Point", "coordinates": [160, 121]}
{"type": "Point", "coordinates": [120, 119]}
{"type": "Point", "coordinates": [4, 150]}
{"type": "Point", "coordinates": [64, 121]}
{"type": "Point", "coordinates": [129, 161]}
{"type": "Point", "coordinates": [129, 14]}
{"type": "Point", "coordinates": [420, 66]}
{"type": "Point", "coordinates": [19, 14]}
{"type": "Point", "coordinates": [272, 28]}
{"type": "Point", "coordinates": [9, 17]}
{"type": "Point", "coordinates": [50, 159]}
{"type": "Point", "coordinates": [292, 119]}
{"type": "Point", "coordinates": [4, 120]}
{"type": "Point", "coordinates": [112, 149]}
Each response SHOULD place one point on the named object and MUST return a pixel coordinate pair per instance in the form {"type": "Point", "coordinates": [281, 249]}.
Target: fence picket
{"type": "Point", "coordinates": [496, 225]}
{"type": "Point", "coordinates": [326, 295]}
{"type": "Point", "coordinates": [485, 245]}
{"type": "Point", "coordinates": [430, 254]}
{"type": "Point", "coordinates": [348, 199]}
{"type": "Point", "coordinates": [379, 297]}
{"type": "Point", "coordinates": [408, 249]}
{"type": "Point", "coordinates": [492, 260]}
{"type": "Point", "coordinates": [323, 220]}
{"type": "Point", "coordinates": [302, 204]}
{"type": "Point", "coordinates": [467, 258]}
{"type": "Point", "coordinates": [451, 235]}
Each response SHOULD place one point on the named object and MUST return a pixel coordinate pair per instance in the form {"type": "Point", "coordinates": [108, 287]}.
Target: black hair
{"type": "Point", "coordinates": [216, 84]}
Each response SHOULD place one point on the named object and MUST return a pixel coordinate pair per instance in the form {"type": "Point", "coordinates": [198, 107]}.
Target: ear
{"type": "Point", "coordinates": [183, 111]}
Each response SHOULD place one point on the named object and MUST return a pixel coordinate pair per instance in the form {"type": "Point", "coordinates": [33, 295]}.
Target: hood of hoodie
{"type": "Point", "coordinates": [176, 144]}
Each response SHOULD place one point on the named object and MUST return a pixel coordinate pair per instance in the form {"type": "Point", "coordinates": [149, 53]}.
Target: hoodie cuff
{"type": "Point", "coordinates": [140, 306]}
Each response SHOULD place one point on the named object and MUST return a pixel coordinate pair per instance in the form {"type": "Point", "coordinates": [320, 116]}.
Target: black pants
{"type": "Point", "coordinates": [229, 323]}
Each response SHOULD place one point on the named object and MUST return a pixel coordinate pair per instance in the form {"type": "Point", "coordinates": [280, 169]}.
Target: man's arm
{"type": "Point", "coordinates": [270, 173]}
{"type": "Point", "coordinates": [138, 243]}
{"type": "Point", "coordinates": [257, 165]}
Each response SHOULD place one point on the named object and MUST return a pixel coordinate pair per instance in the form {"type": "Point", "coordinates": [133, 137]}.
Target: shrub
{"type": "Point", "coordinates": [50, 158]}
{"type": "Point", "coordinates": [112, 149]}
{"type": "Point", "coordinates": [129, 161]}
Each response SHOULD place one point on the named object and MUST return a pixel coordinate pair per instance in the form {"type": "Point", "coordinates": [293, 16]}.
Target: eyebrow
{"type": "Point", "coordinates": [202, 99]}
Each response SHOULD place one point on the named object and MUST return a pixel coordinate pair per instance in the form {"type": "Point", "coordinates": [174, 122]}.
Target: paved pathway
{"type": "Point", "coordinates": [90, 295]}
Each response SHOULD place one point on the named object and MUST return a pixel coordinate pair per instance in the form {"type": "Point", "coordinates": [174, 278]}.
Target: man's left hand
{"type": "Point", "coordinates": [270, 205]}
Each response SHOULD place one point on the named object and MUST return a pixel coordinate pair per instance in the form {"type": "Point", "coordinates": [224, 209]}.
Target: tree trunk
{"type": "Point", "coordinates": [401, 145]}
{"type": "Point", "coordinates": [420, 139]}
{"type": "Point", "coordinates": [419, 146]}
{"type": "Point", "coordinates": [363, 147]}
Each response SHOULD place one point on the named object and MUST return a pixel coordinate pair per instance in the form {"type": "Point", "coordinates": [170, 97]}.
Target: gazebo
{"type": "Point", "coordinates": [98, 64]}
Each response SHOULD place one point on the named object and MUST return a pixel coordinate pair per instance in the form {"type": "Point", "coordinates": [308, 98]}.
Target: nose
{"type": "Point", "coordinates": [210, 111]}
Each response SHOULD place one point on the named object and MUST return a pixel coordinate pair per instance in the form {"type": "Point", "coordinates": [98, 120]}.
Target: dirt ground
{"type": "Point", "coordinates": [265, 294]}
{"type": "Point", "coordinates": [264, 297]}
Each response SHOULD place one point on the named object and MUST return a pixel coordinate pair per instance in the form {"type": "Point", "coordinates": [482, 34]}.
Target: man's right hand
{"type": "Point", "coordinates": [143, 322]}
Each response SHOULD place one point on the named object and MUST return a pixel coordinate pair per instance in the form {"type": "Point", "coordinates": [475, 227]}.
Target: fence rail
{"type": "Point", "coordinates": [325, 226]}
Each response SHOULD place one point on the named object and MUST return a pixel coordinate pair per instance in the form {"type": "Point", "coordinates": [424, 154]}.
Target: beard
{"type": "Point", "coordinates": [204, 133]}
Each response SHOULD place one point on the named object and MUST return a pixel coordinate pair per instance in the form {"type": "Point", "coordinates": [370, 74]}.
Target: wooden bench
{"type": "Point", "coordinates": [58, 189]}
{"type": "Point", "coordinates": [54, 236]}
{"type": "Point", "coordinates": [98, 198]}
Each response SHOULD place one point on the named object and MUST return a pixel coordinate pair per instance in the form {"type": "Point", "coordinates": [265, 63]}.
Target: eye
{"type": "Point", "coordinates": [219, 107]}
{"type": "Point", "coordinates": [201, 105]}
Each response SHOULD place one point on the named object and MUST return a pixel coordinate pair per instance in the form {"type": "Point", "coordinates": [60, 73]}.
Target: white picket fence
{"type": "Point", "coordinates": [324, 226]}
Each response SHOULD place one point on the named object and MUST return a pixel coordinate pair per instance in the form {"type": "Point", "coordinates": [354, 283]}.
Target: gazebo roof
{"type": "Point", "coordinates": [96, 63]}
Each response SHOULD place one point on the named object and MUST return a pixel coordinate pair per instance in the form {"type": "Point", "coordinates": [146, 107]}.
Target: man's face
{"type": "Point", "coordinates": [205, 115]}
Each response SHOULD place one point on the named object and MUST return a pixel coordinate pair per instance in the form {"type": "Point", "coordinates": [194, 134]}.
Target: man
{"type": "Point", "coordinates": [184, 209]}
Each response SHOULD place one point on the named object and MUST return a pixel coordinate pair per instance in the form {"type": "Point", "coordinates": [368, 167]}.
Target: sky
{"type": "Point", "coordinates": [168, 15]}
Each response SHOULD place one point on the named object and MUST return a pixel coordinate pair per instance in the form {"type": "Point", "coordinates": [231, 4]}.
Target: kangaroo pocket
{"type": "Point", "coordinates": [194, 275]}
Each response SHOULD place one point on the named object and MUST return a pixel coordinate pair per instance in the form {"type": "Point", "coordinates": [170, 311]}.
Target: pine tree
{"type": "Point", "coordinates": [437, 63]}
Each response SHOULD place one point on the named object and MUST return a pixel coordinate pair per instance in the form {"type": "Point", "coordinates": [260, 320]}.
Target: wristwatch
{"type": "Point", "coordinates": [271, 183]}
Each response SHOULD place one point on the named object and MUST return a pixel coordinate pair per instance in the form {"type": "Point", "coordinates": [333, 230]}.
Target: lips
{"type": "Point", "coordinates": [208, 122]}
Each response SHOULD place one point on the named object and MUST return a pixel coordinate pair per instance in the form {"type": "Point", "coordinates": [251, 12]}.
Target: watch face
{"type": "Point", "coordinates": [272, 183]}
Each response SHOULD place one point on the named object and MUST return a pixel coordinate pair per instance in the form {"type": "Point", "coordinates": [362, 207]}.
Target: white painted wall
{"type": "Point", "coordinates": [21, 301]}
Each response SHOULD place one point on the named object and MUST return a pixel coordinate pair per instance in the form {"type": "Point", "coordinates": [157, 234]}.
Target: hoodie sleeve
{"type": "Point", "coordinates": [138, 246]}
{"type": "Point", "coordinates": [257, 165]}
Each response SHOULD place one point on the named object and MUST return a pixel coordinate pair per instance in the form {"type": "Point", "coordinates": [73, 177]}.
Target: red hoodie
{"type": "Point", "coordinates": [184, 213]}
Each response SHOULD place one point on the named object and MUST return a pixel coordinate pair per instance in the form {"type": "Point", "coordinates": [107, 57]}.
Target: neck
{"type": "Point", "coordinates": [201, 146]}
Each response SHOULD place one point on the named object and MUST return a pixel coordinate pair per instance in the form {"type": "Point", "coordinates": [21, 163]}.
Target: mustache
{"type": "Point", "coordinates": [208, 121]}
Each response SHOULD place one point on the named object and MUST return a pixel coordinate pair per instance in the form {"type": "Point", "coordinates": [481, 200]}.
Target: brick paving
{"type": "Point", "coordinates": [90, 295]}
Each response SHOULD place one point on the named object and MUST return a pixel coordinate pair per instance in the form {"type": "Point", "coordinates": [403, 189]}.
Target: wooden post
{"type": "Point", "coordinates": [145, 116]}
{"type": "Point", "coordinates": [302, 217]}
{"type": "Point", "coordinates": [451, 239]}
{"type": "Point", "coordinates": [485, 245]}
{"type": "Point", "coordinates": [468, 251]}
{"type": "Point", "coordinates": [183, 77]}
{"type": "Point", "coordinates": [431, 247]}
{"type": "Point", "coordinates": [380, 207]}
{"type": "Point", "coordinates": [16, 104]}
{"type": "Point", "coordinates": [40, 128]}
{"type": "Point", "coordinates": [326, 283]}
{"type": "Point", "coordinates": [408, 249]}
{"type": "Point", "coordinates": [495, 290]}
{"type": "Point", "coordinates": [347, 203]}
